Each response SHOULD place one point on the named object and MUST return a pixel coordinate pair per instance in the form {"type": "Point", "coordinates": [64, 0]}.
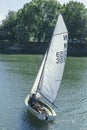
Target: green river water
{"type": "Point", "coordinates": [17, 74]}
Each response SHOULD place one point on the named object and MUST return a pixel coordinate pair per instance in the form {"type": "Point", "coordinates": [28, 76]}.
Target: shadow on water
{"type": "Point", "coordinates": [32, 123]}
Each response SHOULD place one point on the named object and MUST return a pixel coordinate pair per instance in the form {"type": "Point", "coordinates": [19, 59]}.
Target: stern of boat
{"type": "Point", "coordinates": [49, 117]}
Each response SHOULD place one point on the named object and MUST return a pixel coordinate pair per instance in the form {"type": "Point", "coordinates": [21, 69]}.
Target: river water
{"type": "Point", "coordinates": [17, 74]}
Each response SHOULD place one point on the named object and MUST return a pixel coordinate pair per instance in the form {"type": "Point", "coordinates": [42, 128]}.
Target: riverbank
{"type": "Point", "coordinates": [75, 49]}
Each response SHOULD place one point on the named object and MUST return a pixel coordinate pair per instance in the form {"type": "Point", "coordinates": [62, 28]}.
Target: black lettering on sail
{"type": "Point", "coordinates": [65, 37]}
{"type": "Point", "coordinates": [61, 56]}
{"type": "Point", "coordinates": [65, 45]}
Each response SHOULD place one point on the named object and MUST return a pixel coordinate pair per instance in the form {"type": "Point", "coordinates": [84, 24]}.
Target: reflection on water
{"type": "Point", "coordinates": [33, 122]}
{"type": "Point", "coordinates": [17, 74]}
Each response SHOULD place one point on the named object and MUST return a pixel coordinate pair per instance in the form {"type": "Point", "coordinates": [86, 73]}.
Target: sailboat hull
{"type": "Point", "coordinates": [50, 116]}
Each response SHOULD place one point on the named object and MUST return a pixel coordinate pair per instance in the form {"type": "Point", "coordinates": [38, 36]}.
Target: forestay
{"type": "Point", "coordinates": [36, 83]}
{"type": "Point", "coordinates": [51, 70]}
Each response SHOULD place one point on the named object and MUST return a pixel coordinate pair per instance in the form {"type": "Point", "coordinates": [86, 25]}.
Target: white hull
{"type": "Point", "coordinates": [51, 115]}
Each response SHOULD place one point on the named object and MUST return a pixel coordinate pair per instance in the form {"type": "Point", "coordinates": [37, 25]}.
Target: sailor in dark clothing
{"type": "Point", "coordinates": [35, 104]}
{"type": "Point", "coordinates": [32, 100]}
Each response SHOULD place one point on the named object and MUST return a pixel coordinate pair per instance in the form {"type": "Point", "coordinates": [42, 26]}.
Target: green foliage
{"type": "Point", "coordinates": [75, 16]}
{"type": "Point", "coordinates": [39, 17]}
{"type": "Point", "coordinates": [7, 30]}
{"type": "Point", "coordinates": [36, 21]}
{"type": "Point", "coordinates": [21, 34]}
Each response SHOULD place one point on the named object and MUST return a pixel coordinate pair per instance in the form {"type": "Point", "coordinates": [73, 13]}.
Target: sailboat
{"type": "Point", "coordinates": [50, 74]}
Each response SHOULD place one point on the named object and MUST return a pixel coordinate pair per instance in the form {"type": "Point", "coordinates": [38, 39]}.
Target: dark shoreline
{"type": "Point", "coordinates": [76, 50]}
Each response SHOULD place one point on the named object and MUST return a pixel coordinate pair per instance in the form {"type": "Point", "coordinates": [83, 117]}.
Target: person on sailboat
{"type": "Point", "coordinates": [32, 100]}
{"type": "Point", "coordinates": [35, 105]}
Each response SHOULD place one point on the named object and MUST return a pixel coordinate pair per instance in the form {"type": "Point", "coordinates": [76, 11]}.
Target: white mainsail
{"type": "Point", "coordinates": [51, 71]}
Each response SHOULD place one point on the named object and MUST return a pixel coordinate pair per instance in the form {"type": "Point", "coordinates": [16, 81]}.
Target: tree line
{"type": "Point", "coordinates": [36, 20]}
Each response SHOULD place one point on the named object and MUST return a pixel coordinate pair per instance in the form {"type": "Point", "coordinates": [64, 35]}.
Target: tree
{"type": "Point", "coordinates": [8, 26]}
{"type": "Point", "coordinates": [21, 34]}
{"type": "Point", "coordinates": [39, 17]}
{"type": "Point", "coordinates": [75, 16]}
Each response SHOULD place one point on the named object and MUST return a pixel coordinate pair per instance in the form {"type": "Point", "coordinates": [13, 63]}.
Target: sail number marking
{"type": "Point", "coordinates": [61, 56]}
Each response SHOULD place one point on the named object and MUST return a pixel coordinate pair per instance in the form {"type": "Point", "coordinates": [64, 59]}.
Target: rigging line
{"type": "Point", "coordinates": [46, 98]}
{"type": "Point", "coordinates": [43, 62]}
{"type": "Point", "coordinates": [42, 69]}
